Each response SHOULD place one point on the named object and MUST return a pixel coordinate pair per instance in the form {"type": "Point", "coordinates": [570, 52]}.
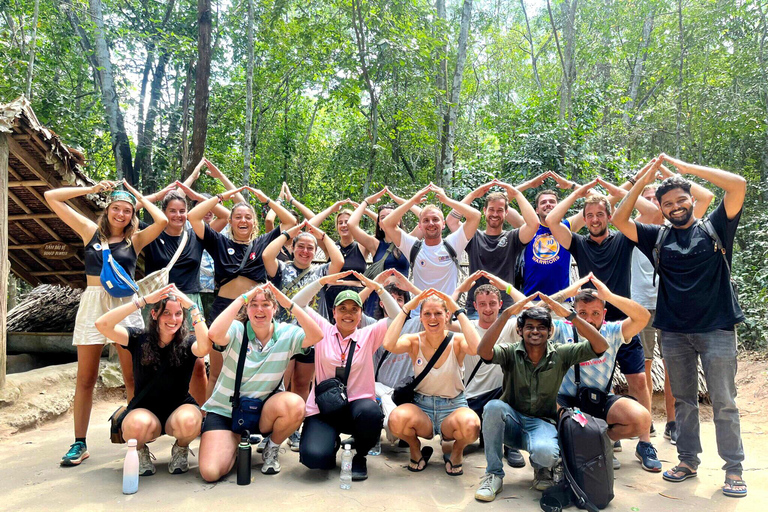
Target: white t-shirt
{"type": "Point", "coordinates": [488, 376]}
{"type": "Point", "coordinates": [434, 267]}
{"type": "Point", "coordinates": [642, 290]}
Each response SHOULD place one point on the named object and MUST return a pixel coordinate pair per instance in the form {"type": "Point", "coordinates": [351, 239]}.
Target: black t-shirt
{"type": "Point", "coordinates": [610, 261]}
{"type": "Point", "coordinates": [694, 284]}
{"type": "Point", "coordinates": [186, 272]}
{"type": "Point", "coordinates": [495, 254]}
{"type": "Point", "coordinates": [227, 255]}
{"type": "Point", "coordinates": [173, 387]}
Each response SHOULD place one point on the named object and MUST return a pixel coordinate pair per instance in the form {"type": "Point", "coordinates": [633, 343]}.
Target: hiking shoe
{"type": "Point", "coordinates": [77, 453]}
{"type": "Point", "coordinates": [617, 446]}
{"type": "Point", "coordinates": [262, 444]}
{"type": "Point", "coordinates": [542, 479]}
{"type": "Point", "coordinates": [670, 432]}
{"type": "Point", "coordinates": [294, 440]}
{"type": "Point", "coordinates": [146, 468]}
{"type": "Point", "coordinates": [653, 430]}
{"type": "Point", "coordinates": [646, 453]}
{"type": "Point", "coordinates": [271, 465]}
{"type": "Point", "coordinates": [616, 463]}
{"type": "Point", "coordinates": [490, 486]}
{"type": "Point", "coordinates": [514, 457]}
{"type": "Point", "coordinates": [179, 459]}
{"type": "Point", "coordinates": [558, 472]}
{"type": "Point", "coordinates": [359, 468]}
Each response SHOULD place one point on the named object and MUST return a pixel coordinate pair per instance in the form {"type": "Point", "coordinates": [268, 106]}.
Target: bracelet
{"type": "Point", "coordinates": [221, 198]}
{"type": "Point", "coordinates": [290, 201]}
{"type": "Point", "coordinates": [405, 311]}
{"type": "Point", "coordinates": [285, 233]}
{"type": "Point", "coordinates": [460, 311]}
{"type": "Point", "coordinates": [571, 316]}
{"type": "Point", "coordinates": [280, 201]}
{"type": "Point", "coordinates": [365, 201]}
{"type": "Point", "coordinates": [136, 302]}
{"type": "Point", "coordinates": [143, 299]}
{"type": "Point", "coordinates": [379, 290]}
{"type": "Point", "coordinates": [291, 308]}
{"type": "Point", "coordinates": [322, 237]}
{"type": "Point", "coordinates": [193, 306]}
{"type": "Point", "coordinates": [631, 180]}
{"type": "Point", "coordinates": [573, 186]}
{"type": "Point", "coordinates": [509, 290]}
{"type": "Point", "coordinates": [455, 214]}
{"type": "Point", "coordinates": [198, 321]}
{"type": "Point", "coordinates": [245, 298]}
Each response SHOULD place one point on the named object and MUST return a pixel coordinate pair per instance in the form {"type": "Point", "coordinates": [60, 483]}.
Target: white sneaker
{"type": "Point", "coordinates": [262, 444]}
{"type": "Point", "coordinates": [294, 440]}
{"type": "Point", "coordinates": [146, 468]}
{"type": "Point", "coordinates": [490, 486]}
{"type": "Point", "coordinates": [271, 465]}
{"type": "Point", "coordinates": [179, 459]}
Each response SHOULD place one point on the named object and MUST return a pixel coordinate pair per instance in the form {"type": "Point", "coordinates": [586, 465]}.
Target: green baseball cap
{"type": "Point", "coordinates": [348, 295]}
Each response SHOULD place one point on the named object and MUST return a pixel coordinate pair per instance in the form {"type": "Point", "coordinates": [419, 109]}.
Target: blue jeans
{"type": "Point", "coordinates": [438, 408]}
{"type": "Point", "coordinates": [717, 350]}
{"type": "Point", "coordinates": [502, 425]}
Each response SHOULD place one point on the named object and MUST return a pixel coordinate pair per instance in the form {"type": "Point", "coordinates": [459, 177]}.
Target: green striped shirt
{"type": "Point", "coordinates": [264, 367]}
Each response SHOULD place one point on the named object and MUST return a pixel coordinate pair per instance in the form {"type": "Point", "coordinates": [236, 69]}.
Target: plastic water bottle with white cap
{"type": "Point", "coordinates": [346, 468]}
{"type": "Point", "coordinates": [131, 469]}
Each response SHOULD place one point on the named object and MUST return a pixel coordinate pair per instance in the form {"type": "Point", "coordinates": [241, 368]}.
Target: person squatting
{"type": "Point", "coordinates": [388, 308]}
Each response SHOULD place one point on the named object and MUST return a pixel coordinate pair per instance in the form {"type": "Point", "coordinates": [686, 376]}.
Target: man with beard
{"type": "Point", "coordinates": [533, 369]}
{"type": "Point", "coordinates": [697, 308]}
{"type": "Point", "coordinates": [435, 264]}
{"type": "Point", "coordinates": [608, 255]}
{"type": "Point", "coordinates": [495, 250]}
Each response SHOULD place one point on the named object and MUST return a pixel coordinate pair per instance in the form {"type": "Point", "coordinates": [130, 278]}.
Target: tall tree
{"type": "Point", "coordinates": [248, 100]}
{"type": "Point", "coordinates": [32, 50]}
{"type": "Point", "coordinates": [202, 92]}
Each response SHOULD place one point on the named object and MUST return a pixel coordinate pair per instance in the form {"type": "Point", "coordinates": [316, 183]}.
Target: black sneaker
{"type": "Point", "coordinates": [617, 446]}
{"type": "Point", "coordinates": [359, 468]}
{"type": "Point", "coordinates": [653, 430]}
{"type": "Point", "coordinates": [349, 441]}
{"type": "Point", "coordinates": [670, 432]}
{"type": "Point", "coordinates": [514, 458]}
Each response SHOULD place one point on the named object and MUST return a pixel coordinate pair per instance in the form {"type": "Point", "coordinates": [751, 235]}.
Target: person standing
{"type": "Point", "coordinates": [697, 308]}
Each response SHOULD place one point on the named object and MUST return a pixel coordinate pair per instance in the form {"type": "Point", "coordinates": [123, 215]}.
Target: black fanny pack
{"type": "Point", "coordinates": [331, 394]}
{"type": "Point", "coordinates": [591, 400]}
{"type": "Point", "coordinates": [406, 389]}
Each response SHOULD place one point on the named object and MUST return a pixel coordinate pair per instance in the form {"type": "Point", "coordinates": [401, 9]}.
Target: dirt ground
{"type": "Point", "coordinates": [32, 479]}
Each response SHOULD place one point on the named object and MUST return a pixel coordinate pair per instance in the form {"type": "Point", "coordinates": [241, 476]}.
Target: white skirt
{"type": "Point", "coordinates": [94, 302]}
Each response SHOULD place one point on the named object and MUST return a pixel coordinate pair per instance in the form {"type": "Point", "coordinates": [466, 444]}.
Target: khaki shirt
{"type": "Point", "coordinates": [532, 390]}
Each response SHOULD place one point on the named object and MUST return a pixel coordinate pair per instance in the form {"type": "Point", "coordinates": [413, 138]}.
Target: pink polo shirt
{"type": "Point", "coordinates": [361, 383]}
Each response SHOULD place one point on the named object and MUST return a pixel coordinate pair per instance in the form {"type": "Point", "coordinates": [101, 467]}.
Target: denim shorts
{"type": "Point", "coordinates": [438, 408]}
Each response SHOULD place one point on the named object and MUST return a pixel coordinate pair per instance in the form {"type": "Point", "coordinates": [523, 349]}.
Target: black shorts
{"type": "Point", "coordinates": [631, 358]}
{"type": "Point", "coordinates": [478, 402]}
{"type": "Point", "coordinates": [308, 358]}
{"type": "Point", "coordinates": [163, 411]}
{"type": "Point", "coordinates": [572, 401]}
{"type": "Point", "coordinates": [215, 421]}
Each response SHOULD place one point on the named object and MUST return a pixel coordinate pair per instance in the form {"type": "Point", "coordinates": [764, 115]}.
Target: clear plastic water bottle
{"type": "Point", "coordinates": [346, 468]}
{"type": "Point", "coordinates": [131, 469]}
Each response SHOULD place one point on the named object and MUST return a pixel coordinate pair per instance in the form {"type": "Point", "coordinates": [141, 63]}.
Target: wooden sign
{"type": "Point", "coordinates": [57, 251]}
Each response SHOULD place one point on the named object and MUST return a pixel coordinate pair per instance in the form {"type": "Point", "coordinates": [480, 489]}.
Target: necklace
{"type": "Point", "coordinates": [343, 352]}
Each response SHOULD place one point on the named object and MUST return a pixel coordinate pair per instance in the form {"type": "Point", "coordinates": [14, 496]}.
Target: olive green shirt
{"type": "Point", "coordinates": [532, 390]}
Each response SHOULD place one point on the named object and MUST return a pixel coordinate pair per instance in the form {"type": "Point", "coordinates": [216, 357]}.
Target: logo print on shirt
{"type": "Point", "coordinates": [503, 242]}
{"type": "Point", "coordinates": [230, 251]}
{"type": "Point", "coordinates": [252, 256]}
{"type": "Point", "coordinates": [546, 249]}
{"type": "Point", "coordinates": [419, 361]}
{"type": "Point", "coordinates": [97, 246]}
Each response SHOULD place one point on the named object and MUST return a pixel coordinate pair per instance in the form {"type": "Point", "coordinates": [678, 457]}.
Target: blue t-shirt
{"type": "Point", "coordinates": [547, 264]}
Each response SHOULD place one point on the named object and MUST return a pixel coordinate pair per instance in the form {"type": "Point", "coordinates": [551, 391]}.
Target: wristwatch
{"type": "Point", "coordinates": [571, 316]}
{"type": "Point", "coordinates": [458, 312]}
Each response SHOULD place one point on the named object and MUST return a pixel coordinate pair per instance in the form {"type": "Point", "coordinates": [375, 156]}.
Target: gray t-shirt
{"type": "Point", "coordinates": [488, 376]}
{"type": "Point", "coordinates": [286, 279]}
{"type": "Point", "coordinates": [396, 367]}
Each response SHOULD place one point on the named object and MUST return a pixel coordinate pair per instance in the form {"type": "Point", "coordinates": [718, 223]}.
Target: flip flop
{"type": "Point", "coordinates": [734, 482]}
{"type": "Point", "coordinates": [426, 454]}
{"type": "Point", "coordinates": [449, 471]}
{"type": "Point", "coordinates": [669, 475]}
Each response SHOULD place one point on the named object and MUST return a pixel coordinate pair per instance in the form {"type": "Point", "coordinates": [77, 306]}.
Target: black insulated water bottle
{"type": "Point", "coordinates": [244, 460]}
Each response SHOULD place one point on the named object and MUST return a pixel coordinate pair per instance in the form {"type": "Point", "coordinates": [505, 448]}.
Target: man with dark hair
{"type": "Point", "coordinates": [494, 249]}
{"type": "Point", "coordinates": [626, 418]}
{"type": "Point", "coordinates": [608, 255]}
{"type": "Point", "coordinates": [697, 308]}
{"type": "Point", "coordinates": [533, 369]}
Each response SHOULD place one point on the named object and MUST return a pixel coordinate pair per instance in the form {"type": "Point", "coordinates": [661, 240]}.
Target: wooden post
{"type": "Point", "coordinates": [4, 265]}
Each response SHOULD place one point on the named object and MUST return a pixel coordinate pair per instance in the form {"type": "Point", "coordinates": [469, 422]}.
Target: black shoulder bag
{"type": "Point", "coordinates": [331, 394]}
{"type": "Point", "coordinates": [246, 412]}
{"type": "Point", "coordinates": [406, 388]}
{"type": "Point", "coordinates": [591, 401]}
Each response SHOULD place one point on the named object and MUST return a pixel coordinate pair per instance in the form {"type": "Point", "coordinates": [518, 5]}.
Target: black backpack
{"type": "Point", "coordinates": [587, 454]}
{"type": "Point", "coordinates": [416, 248]}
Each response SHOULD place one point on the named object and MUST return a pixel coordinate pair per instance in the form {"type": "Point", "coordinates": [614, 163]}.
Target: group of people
{"type": "Point", "coordinates": [379, 325]}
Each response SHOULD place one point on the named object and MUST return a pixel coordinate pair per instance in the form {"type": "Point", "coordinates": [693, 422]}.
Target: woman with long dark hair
{"type": "Point", "coordinates": [117, 227]}
{"type": "Point", "coordinates": [164, 356]}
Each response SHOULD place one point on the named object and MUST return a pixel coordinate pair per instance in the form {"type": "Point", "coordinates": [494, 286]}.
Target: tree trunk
{"type": "Point", "coordinates": [534, 58]}
{"type": "Point", "coordinates": [764, 96]}
{"type": "Point", "coordinates": [248, 101]}
{"type": "Point", "coordinates": [566, 54]}
{"type": "Point", "coordinates": [32, 48]}
{"type": "Point", "coordinates": [143, 167]}
{"type": "Point", "coordinates": [679, 99]}
{"type": "Point", "coordinates": [120, 145]}
{"type": "Point", "coordinates": [441, 83]}
{"type": "Point", "coordinates": [185, 118]}
{"type": "Point", "coordinates": [202, 76]}
{"type": "Point", "coordinates": [637, 69]}
{"type": "Point", "coordinates": [143, 91]}
{"type": "Point", "coordinates": [453, 105]}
